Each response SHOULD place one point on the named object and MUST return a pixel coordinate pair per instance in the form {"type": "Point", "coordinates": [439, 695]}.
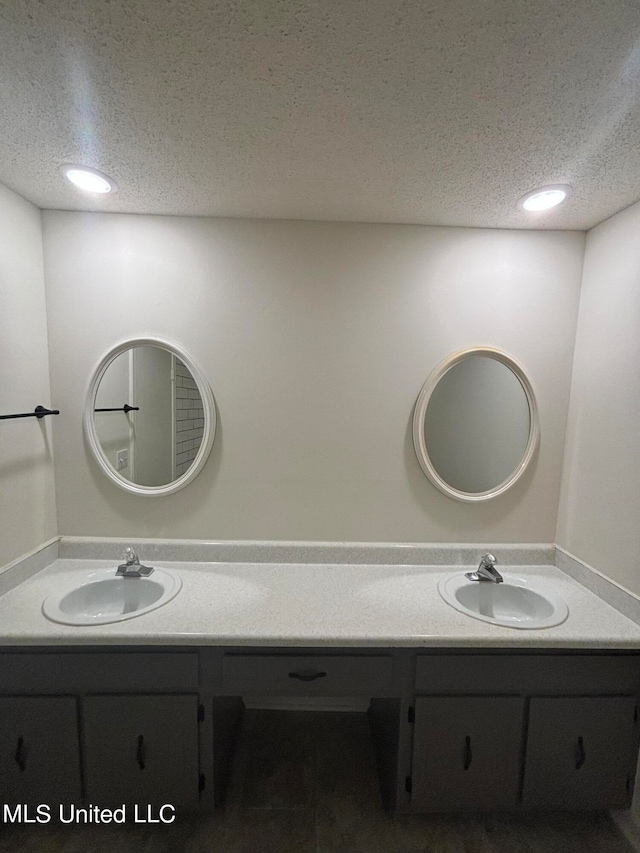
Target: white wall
{"type": "Point", "coordinates": [27, 497]}
{"type": "Point", "coordinates": [316, 338]}
{"type": "Point", "coordinates": [599, 514]}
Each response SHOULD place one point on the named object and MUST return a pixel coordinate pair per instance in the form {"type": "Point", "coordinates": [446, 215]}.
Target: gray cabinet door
{"type": "Point", "coordinates": [141, 749]}
{"type": "Point", "coordinates": [580, 752]}
{"type": "Point", "coordinates": [466, 753]}
{"type": "Point", "coordinates": [39, 753]}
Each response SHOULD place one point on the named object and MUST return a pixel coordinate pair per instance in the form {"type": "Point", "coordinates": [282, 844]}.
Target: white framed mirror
{"type": "Point", "coordinates": [476, 424]}
{"type": "Point", "coordinates": [150, 416]}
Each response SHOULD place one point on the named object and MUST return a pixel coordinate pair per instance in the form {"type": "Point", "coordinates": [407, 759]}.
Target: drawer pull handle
{"type": "Point", "coordinates": [21, 755]}
{"type": "Point", "coordinates": [581, 755]}
{"type": "Point", "coordinates": [468, 755]}
{"type": "Point", "coordinates": [141, 752]}
{"type": "Point", "coordinates": [308, 675]}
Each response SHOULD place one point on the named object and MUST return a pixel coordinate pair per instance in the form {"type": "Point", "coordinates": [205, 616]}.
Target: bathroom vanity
{"type": "Point", "coordinates": [464, 714]}
{"type": "Point", "coordinates": [453, 730]}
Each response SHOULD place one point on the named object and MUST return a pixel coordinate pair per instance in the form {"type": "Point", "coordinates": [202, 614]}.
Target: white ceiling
{"type": "Point", "coordinates": [423, 111]}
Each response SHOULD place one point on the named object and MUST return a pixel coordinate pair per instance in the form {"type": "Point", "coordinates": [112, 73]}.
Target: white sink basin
{"type": "Point", "coordinates": [99, 597]}
{"type": "Point", "coordinates": [515, 603]}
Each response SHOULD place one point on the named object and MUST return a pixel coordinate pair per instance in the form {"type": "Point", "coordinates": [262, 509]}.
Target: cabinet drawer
{"type": "Point", "coordinates": [307, 675]}
{"type": "Point", "coordinates": [98, 672]}
{"type": "Point", "coordinates": [533, 673]}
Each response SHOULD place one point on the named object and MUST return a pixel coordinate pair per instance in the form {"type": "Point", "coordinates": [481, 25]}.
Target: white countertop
{"type": "Point", "coordinates": [296, 605]}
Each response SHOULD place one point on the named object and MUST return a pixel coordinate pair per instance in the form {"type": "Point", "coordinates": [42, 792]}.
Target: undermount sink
{"type": "Point", "coordinates": [514, 603]}
{"type": "Point", "coordinates": [99, 597]}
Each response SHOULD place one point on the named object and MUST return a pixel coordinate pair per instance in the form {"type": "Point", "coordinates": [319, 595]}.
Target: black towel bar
{"type": "Point", "coordinates": [40, 412]}
{"type": "Point", "coordinates": [126, 408]}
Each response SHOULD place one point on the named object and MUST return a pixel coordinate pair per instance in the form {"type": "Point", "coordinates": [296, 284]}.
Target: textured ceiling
{"type": "Point", "coordinates": [423, 111]}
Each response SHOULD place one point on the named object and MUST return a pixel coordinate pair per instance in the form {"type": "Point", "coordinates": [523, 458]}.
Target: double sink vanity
{"type": "Point", "coordinates": [124, 679]}
{"type": "Point", "coordinates": [107, 596]}
{"type": "Point", "coordinates": [481, 695]}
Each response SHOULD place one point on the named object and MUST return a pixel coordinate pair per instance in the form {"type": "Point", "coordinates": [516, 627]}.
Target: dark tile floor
{"type": "Point", "coordinates": [306, 783]}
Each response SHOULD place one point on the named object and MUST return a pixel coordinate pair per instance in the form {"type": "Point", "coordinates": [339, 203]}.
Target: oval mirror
{"type": "Point", "coordinates": [475, 424]}
{"type": "Point", "coordinates": [150, 416]}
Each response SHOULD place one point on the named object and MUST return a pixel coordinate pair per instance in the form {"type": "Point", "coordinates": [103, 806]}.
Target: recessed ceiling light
{"type": "Point", "coordinates": [88, 179]}
{"type": "Point", "coordinates": [546, 197]}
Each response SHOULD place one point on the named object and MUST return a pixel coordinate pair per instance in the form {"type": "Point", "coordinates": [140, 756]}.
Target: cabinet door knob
{"type": "Point", "coordinates": [308, 675]}
{"type": "Point", "coordinates": [141, 752]}
{"type": "Point", "coordinates": [468, 755]}
{"type": "Point", "coordinates": [21, 754]}
{"type": "Point", "coordinates": [581, 755]}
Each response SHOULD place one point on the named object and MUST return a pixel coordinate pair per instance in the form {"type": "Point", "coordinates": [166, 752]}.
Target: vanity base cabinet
{"type": "Point", "coordinates": [105, 728]}
{"type": "Point", "coordinates": [39, 749]}
{"type": "Point", "coordinates": [142, 749]}
{"type": "Point", "coordinates": [581, 752]}
{"type": "Point", "coordinates": [466, 753]}
{"type": "Point", "coordinates": [454, 730]}
{"type": "Point", "coordinates": [522, 730]}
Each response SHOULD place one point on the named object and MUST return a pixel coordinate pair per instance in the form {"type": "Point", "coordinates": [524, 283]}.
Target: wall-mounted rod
{"type": "Point", "coordinates": [126, 408]}
{"type": "Point", "coordinates": [39, 412]}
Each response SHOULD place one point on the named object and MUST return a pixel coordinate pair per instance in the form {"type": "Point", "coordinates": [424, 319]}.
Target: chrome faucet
{"type": "Point", "coordinates": [486, 571]}
{"type": "Point", "coordinates": [131, 568]}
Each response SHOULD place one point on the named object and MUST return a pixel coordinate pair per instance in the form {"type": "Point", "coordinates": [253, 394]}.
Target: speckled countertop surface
{"type": "Point", "coordinates": [321, 604]}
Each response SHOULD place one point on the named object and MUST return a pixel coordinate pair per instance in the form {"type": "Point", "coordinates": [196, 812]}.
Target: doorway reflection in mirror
{"type": "Point", "coordinates": [158, 442]}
